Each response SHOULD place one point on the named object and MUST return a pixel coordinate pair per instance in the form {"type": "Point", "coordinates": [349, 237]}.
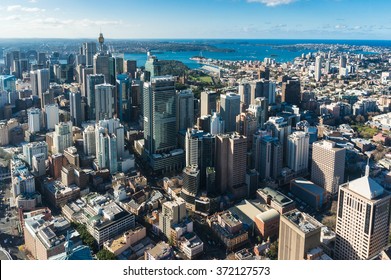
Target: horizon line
{"type": "Point", "coordinates": [108, 38]}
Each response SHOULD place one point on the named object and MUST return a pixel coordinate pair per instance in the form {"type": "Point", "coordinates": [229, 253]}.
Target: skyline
{"type": "Point", "coordinates": [227, 19]}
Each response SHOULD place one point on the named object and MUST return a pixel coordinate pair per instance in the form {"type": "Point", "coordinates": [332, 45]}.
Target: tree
{"type": "Point", "coordinates": [273, 251]}
{"type": "Point", "coordinates": [105, 255]}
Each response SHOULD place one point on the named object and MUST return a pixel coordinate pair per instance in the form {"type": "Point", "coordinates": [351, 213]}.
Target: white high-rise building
{"type": "Point", "coordinates": [298, 149]}
{"type": "Point", "coordinates": [34, 119]}
{"type": "Point", "coordinates": [363, 219]}
{"type": "Point", "coordinates": [216, 124]}
{"type": "Point", "coordinates": [34, 148]}
{"type": "Point", "coordinates": [318, 68]}
{"type": "Point", "coordinates": [114, 126]}
{"type": "Point", "coordinates": [43, 79]}
{"type": "Point", "coordinates": [62, 137]}
{"type": "Point", "coordinates": [89, 141]}
{"type": "Point", "coordinates": [51, 116]}
{"type": "Point", "coordinates": [4, 140]}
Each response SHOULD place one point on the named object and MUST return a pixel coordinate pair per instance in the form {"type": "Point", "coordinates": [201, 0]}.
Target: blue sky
{"type": "Point", "coordinates": [285, 19]}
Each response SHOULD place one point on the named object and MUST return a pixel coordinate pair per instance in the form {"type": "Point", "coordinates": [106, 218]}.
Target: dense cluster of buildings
{"type": "Point", "coordinates": [93, 135]}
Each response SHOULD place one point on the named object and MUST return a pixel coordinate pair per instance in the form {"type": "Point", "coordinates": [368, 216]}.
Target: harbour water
{"type": "Point", "coordinates": [248, 50]}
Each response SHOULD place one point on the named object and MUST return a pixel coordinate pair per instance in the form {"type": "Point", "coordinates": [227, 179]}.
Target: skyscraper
{"type": "Point", "coordinates": [43, 80]}
{"type": "Point", "coordinates": [185, 110]}
{"type": "Point", "coordinates": [160, 114]}
{"type": "Point", "coordinates": [216, 124]}
{"type": "Point", "coordinates": [92, 81]}
{"type": "Point", "coordinates": [123, 97]}
{"type": "Point", "coordinates": [34, 119]}
{"type": "Point", "coordinates": [229, 109]}
{"type": "Point", "coordinates": [51, 116]}
{"type": "Point", "coordinates": [298, 151]}
{"type": "Point", "coordinates": [259, 109]}
{"type": "Point", "coordinates": [291, 92]}
{"type": "Point", "coordinates": [191, 184]}
{"type": "Point", "coordinates": [318, 68]}
{"type": "Point", "coordinates": [104, 101]}
{"type": "Point", "coordinates": [34, 148]}
{"type": "Point", "coordinates": [245, 94]}
{"type": "Point", "coordinates": [152, 67]}
{"type": "Point", "coordinates": [104, 63]}
{"type": "Point", "coordinates": [173, 212]}
{"type": "Point", "coordinates": [62, 137]}
{"type": "Point", "coordinates": [267, 156]}
{"type": "Point", "coordinates": [89, 50]}
{"type": "Point", "coordinates": [363, 219]}
{"type": "Point", "coordinates": [75, 108]}
{"type": "Point", "coordinates": [299, 233]}
{"type": "Point", "coordinates": [89, 141]}
{"type": "Point", "coordinates": [106, 149]}
{"type": "Point", "coordinates": [231, 151]}
{"type": "Point", "coordinates": [328, 165]}
{"type": "Point", "coordinates": [208, 102]}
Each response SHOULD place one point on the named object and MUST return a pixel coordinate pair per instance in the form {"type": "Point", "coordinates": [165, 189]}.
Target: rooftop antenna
{"type": "Point", "coordinates": [367, 169]}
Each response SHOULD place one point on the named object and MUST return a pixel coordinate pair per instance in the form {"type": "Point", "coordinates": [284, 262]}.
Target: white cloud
{"type": "Point", "coordinates": [272, 3]}
{"type": "Point", "coordinates": [32, 1]}
{"type": "Point", "coordinates": [14, 8]}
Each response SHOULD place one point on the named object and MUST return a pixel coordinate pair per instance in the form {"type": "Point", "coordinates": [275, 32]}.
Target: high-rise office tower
{"type": "Point", "coordinates": [217, 124]}
{"type": "Point", "coordinates": [208, 102]}
{"type": "Point", "coordinates": [160, 114]}
{"type": "Point", "coordinates": [130, 67]}
{"type": "Point", "coordinates": [123, 97]}
{"type": "Point", "coordinates": [267, 156]}
{"type": "Point", "coordinates": [229, 109]}
{"type": "Point", "coordinates": [191, 183]}
{"type": "Point", "coordinates": [245, 94]}
{"type": "Point", "coordinates": [75, 108]}
{"type": "Point", "coordinates": [173, 212]}
{"type": "Point", "coordinates": [38, 164]}
{"type": "Point", "coordinates": [152, 67]}
{"type": "Point", "coordinates": [34, 82]}
{"type": "Point", "coordinates": [299, 233]}
{"type": "Point", "coordinates": [102, 65]}
{"type": "Point", "coordinates": [62, 137]}
{"type": "Point", "coordinates": [92, 81]}
{"type": "Point", "coordinates": [200, 151]}
{"type": "Point", "coordinates": [185, 110]}
{"type": "Point", "coordinates": [327, 67]}
{"type": "Point", "coordinates": [259, 110]}
{"type": "Point", "coordinates": [51, 116]}
{"type": "Point", "coordinates": [291, 92]}
{"type": "Point", "coordinates": [231, 154]}
{"type": "Point", "coordinates": [43, 80]}
{"type": "Point", "coordinates": [84, 73]}
{"type": "Point", "coordinates": [328, 165]}
{"type": "Point", "coordinates": [89, 141]}
{"type": "Point", "coordinates": [280, 129]}
{"type": "Point", "coordinates": [363, 219]}
{"type": "Point", "coordinates": [89, 50]}
{"type": "Point", "coordinates": [298, 151]}
{"type": "Point", "coordinates": [34, 119]}
{"type": "Point", "coordinates": [318, 68]}
{"type": "Point", "coordinates": [104, 101]}
{"type": "Point", "coordinates": [342, 61]}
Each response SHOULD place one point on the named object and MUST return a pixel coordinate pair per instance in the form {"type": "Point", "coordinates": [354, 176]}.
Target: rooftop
{"type": "Point", "coordinates": [308, 185]}
{"type": "Point", "coordinates": [366, 187]}
{"type": "Point", "coordinates": [276, 196]}
{"type": "Point", "coordinates": [303, 221]}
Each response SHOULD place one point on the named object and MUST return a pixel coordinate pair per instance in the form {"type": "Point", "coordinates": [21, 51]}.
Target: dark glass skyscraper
{"type": "Point", "coordinates": [160, 114]}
